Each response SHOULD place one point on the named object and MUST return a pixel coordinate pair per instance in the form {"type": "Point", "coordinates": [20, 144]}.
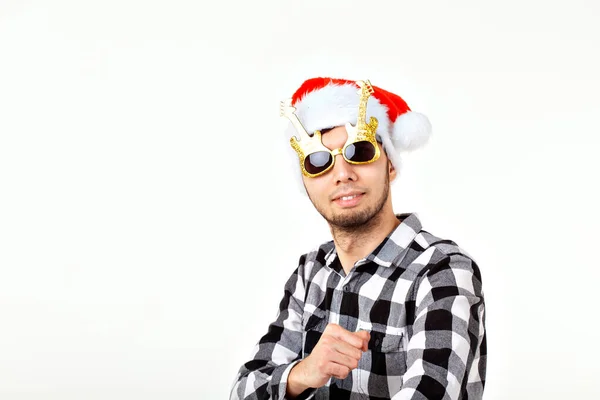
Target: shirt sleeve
{"type": "Point", "coordinates": [265, 375]}
{"type": "Point", "coordinates": [446, 354]}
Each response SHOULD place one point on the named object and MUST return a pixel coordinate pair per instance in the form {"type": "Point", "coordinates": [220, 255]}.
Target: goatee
{"type": "Point", "coordinates": [359, 220]}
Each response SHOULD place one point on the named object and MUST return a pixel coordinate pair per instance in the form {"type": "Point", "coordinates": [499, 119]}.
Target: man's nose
{"type": "Point", "coordinates": [343, 171]}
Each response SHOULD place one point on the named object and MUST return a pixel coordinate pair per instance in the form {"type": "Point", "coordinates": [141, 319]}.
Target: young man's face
{"type": "Point", "coordinates": [349, 195]}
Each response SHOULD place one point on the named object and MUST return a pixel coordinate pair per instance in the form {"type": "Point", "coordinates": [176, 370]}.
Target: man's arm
{"type": "Point", "coordinates": [278, 351]}
{"type": "Point", "coordinates": [276, 370]}
{"type": "Point", "coordinates": [443, 355]}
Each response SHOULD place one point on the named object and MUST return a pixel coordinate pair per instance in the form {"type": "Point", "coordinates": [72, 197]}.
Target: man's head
{"type": "Point", "coordinates": [349, 195]}
{"type": "Point", "coordinates": [346, 137]}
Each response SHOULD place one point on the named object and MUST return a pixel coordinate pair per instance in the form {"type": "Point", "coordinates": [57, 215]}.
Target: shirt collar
{"type": "Point", "coordinates": [392, 249]}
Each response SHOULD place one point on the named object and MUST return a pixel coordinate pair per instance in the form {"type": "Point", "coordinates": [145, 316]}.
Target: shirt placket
{"type": "Point", "coordinates": [345, 287]}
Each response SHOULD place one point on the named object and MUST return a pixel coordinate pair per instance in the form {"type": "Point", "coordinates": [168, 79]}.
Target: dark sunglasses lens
{"type": "Point", "coordinates": [360, 151]}
{"type": "Point", "coordinates": [317, 162]}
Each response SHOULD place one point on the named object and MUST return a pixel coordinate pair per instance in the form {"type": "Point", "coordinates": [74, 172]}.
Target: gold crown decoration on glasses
{"type": "Point", "coordinates": [306, 144]}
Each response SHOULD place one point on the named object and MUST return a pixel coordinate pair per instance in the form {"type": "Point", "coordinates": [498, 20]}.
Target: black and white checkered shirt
{"type": "Point", "coordinates": [420, 297]}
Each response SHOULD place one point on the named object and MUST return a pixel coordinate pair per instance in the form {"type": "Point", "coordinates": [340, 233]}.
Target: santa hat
{"type": "Point", "coordinates": [323, 103]}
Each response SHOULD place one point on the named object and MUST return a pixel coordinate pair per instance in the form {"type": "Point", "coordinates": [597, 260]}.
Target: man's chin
{"type": "Point", "coordinates": [349, 218]}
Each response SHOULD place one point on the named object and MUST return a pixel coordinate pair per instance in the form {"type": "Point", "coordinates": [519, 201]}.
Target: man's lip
{"type": "Point", "coordinates": [353, 193]}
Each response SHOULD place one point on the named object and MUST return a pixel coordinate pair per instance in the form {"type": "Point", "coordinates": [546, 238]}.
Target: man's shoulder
{"type": "Point", "coordinates": [318, 253]}
{"type": "Point", "coordinates": [428, 253]}
{"type": "Point", "coordinates": [445, 247]}
{"type": "Point", "coordinates": [314, 259]}
{"type": "Point", "coordinates": [446, 256]}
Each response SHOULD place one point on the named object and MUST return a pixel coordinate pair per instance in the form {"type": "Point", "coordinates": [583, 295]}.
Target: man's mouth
{"type": "Point", "coordinates": [348, 200]}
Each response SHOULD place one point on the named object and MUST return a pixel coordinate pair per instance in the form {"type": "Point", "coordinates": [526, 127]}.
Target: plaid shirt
{"type": "Point", "coordinates": [420, 297]}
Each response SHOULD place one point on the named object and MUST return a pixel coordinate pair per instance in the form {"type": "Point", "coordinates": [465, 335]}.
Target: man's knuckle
{"type": "Point", "coordinates": [345, 371]}
{"type": "Point", "coordinates": [322, 365]}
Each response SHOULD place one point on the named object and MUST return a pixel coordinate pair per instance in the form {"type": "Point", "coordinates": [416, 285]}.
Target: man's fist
{"type": "Point", "coordinates": [335, 355]}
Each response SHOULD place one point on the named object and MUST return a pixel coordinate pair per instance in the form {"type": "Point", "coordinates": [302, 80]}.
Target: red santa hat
{"type": "Point", "coordinates": [323, 103]}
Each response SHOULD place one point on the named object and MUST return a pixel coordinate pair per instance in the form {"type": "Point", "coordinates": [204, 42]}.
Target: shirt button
{"type": "Point", "coordinates": [377, 341]}
{"type": "Point", "coordinates": [346, 288]}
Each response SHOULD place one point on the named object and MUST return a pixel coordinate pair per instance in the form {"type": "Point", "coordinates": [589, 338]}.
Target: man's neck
{"type": "Point", "coordinates": [356, 244]}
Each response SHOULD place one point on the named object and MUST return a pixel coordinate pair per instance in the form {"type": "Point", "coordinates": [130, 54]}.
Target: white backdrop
{"type": "Point", "coordinates": [148, 220]}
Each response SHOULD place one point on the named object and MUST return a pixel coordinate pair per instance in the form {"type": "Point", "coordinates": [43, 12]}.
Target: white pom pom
{"type": "Point", "coordinates": [411, 131]}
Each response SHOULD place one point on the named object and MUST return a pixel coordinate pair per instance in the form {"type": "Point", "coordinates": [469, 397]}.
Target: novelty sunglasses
{"type": "Point", "coordinates": [360, 148]}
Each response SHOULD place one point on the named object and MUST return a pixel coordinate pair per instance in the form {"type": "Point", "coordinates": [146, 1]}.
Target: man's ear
{"type": "Point", "coordinates": [391, 170]}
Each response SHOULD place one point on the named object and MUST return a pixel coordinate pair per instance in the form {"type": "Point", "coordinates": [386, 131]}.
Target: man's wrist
{"type": "Point", "coordinates": [295, 387]}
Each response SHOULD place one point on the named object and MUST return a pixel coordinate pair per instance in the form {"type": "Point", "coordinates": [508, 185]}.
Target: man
{"type": "Point", "coordinates": [384, 310]}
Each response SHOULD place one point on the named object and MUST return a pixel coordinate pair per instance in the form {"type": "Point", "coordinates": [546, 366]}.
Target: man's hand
{"type": "Point", "coordinates": [335, 355]}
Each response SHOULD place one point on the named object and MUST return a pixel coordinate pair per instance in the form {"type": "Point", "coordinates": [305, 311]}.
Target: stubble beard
{"type": "Point", "coordinates": [357, 221]}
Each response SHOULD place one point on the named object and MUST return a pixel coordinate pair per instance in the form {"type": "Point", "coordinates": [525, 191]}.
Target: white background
{"type": "Point", "coordinates": [148, 218]}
